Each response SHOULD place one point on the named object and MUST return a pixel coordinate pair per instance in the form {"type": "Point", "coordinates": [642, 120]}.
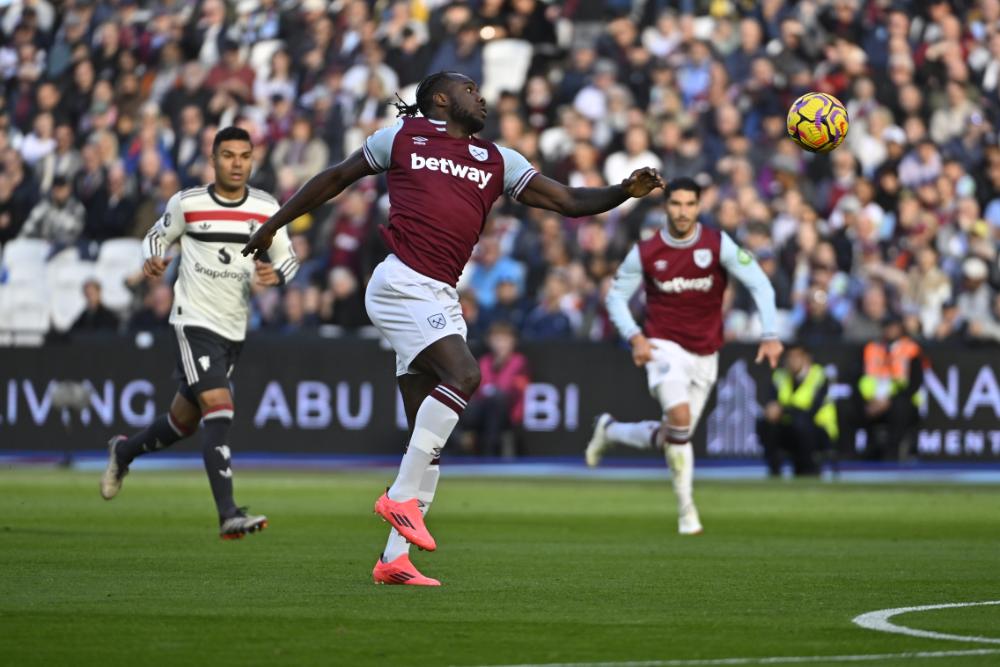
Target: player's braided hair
{"type": "Point", "coordinates": [425, 91]}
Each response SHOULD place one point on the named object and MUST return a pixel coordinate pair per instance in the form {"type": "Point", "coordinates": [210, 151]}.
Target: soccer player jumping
{"type": "Point", "coordinates": [209, 317]}
{"type": "Point", "coordinates": [442, 182]}
{"type": "Point", "coordinates": [683, 270]}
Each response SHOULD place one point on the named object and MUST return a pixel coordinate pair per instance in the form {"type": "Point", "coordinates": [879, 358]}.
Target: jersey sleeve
{"type": "Point", "coordinates": [378, 147]}
{"type": "Point", "coordinates": [517, 171]}
{"type": "Point", "coordinates": [166, 231]}
{"type": "Point", "coordinates": [626, 282]}
{"type": "Point", "coordinates": [741, 265]}
{"type": "Point", "coordinates": [282, 256]}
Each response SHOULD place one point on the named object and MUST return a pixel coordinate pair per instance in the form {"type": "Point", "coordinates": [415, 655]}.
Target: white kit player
{"type": "Point", "coordinates": [209, 317]}
{"type": "Point", "coordinates": [684, 270]}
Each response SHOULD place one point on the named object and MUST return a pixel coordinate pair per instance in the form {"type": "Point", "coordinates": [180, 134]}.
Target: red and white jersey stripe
{"type": "Point", "coordinates": [214, 278]}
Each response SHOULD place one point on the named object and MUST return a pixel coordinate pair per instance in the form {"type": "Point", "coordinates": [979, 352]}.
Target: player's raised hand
{"type": "Point", "coordinates": [154, 267]}
{"type": "Point", "coordinates": [642, 351]}
{"type": "Point", "coordinates": [259, 242]}
{"type": "Point", "coordinates": [642, 182]}
{"type": "Point", "coordinates": [266, 276]}
{"type": "Point", "coordinates": [771, 350]}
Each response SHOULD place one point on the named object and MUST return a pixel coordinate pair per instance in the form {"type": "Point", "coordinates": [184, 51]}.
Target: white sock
{"type": "Point", "coordinates": [397, 545]}
{"type": "Point", "coordinates": [633, 434]}
{"type": "Point", "coordinates": [436, 419]}
{"type": "Point", "coordinates": [680, 458]}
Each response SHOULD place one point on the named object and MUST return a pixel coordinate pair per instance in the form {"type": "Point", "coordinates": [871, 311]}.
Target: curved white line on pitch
{"type": "Point", "coordinates": [879, 620]}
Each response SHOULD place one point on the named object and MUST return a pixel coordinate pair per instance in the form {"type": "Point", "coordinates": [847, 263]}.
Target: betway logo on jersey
{"type": "Point", "coordinates": [446, 166]}
{"type": "Point", "coordinates": [678, 284]}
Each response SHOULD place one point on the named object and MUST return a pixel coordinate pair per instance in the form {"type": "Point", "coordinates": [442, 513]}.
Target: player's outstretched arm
{"type": "Point", "coordinates": [319, 189]}
{"type": "Point", "coordinates": [543, 192]}
{"type": "Point", "coordinates": [626, 282]}
{"type": "Point", "coordinates": [742, 266]}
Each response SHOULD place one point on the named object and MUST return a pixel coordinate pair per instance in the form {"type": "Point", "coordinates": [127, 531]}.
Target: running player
{"type": "Point", "coordinates": [684, 270]}
{"type": "Point", "coordinates": [209, 317]}
{"type": "Point", "coordinates": [442, 181]}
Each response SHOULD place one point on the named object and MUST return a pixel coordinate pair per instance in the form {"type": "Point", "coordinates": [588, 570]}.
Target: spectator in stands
{"type": "Point", "coordinates": [64, 161]}
{"type": "Point", "coordinates": [301, 155]}
{"type": "Point", "coordinates": [498, 404]}
{"type": "Point", "coordinates": [865, 323]}
{"type": "Point", "coordinates": [58, 218]}
{"type": "Point", "coordinates": [819, 326]}
{"type": "Point", "coordinates": [186, 148]}
{"type": "Point", "coordinates": [619, 165]}
{"type": "Point", "coordinates": [95, 316]}
{"type": "Point", "coordinates": [489, 268]}
{"type": "Point", "coordinates": [344, 300]}
{"type": "Point", "coordinates": [890, 392]}
{"type": "Point", "coordinates": [41, 142]}
{"type": "Point", "coordinates": [975, 301]}
{"type": "Point", "coordinates": [800, 419]}
{"type": "Point", "coordinates": [152, 207]}
{"type": "Point", "coordinates": [155, 312]}
{"type": "Point", "coordinates": [547, 321]}
{"type": "Point", "coordinates": [12, 213]}
{"type": "Point", "coordinates": [299, 314]}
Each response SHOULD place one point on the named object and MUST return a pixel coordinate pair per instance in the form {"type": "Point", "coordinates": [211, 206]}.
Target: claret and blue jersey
{"type": "Point", "coordinates": [441, 188]}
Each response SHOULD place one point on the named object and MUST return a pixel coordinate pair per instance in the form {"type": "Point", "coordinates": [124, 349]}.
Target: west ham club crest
{"type": "Point", "coordinates": [703, 258]}
{"type": "Point", "coordinates": [480, 154]}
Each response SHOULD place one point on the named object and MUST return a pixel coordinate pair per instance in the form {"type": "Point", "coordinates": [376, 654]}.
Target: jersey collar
{"type": "Point", "coordinates": [228, 203]}
{"type": "Point", "coordinates": [687, 243]}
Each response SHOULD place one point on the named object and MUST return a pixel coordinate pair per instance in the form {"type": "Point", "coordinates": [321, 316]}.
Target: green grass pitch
{"type": "Point", "coordinates": [534, 571]}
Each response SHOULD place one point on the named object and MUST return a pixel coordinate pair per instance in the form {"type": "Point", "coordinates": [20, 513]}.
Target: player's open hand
{"type": "Point", "coordinates": [154, 267]}
{"type": "Point", "coordinates": [771, 350]}
{"type": "Point", "coordinates": [642, 351]}
{"type": "Point", "coordinates": [259, 242]}
{"type": "Point", "coordinates": [642, 182]}
{"type": "Point", "coordinates": [266, 275]}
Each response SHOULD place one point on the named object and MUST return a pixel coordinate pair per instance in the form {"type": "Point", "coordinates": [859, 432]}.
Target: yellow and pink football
{"type": "Point", "coordinates": [818, 122]}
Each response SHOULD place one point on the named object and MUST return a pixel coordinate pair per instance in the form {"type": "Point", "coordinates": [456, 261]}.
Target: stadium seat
{"type": "Point", "coordinates": [117, 260]}
{"type": "Point", "coordinates": [25, 251]}
{"type": "Point", "coordinates": [505, 67]}
{"type": "Point", "coordinates": [65, 282]}
{"type": "Point", "coordinates": [24, 261]}
{"type": "Point", "coordinates": [24, 309]}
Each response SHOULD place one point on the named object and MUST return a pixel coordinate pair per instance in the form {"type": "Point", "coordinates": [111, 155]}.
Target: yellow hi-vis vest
{"type": "Point", "coordinates": [801, 397]}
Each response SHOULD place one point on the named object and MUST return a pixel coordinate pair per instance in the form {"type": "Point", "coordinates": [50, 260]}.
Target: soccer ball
{"type": "Point", "coordinates": [818, 122]}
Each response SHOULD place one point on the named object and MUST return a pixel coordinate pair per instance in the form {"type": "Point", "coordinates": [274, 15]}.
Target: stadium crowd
{"type": "Point", "coordinates": [110, 107]}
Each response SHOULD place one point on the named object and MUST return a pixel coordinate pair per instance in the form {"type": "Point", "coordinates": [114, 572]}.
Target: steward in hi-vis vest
{"type": "Point", "coordinates": [891, 390]}
{"type": "Point", "coordinates": [800, 419]}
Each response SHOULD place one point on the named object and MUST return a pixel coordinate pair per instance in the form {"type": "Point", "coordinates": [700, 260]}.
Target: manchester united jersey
{"type": "Point", "coordinates": [213, 281]}
{"type": "Point", "coordinates": [441, 189]}
{"type": "Point", "coordinates": [684, 281]}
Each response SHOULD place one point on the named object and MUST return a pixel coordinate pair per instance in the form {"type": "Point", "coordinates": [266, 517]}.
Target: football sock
{"type": "Point", "coordinates": [397, 544]}
{"type": "Point", "coordinates": [163, 432]}
{"type": "Point", "coordinates": [634, 434]}
{"type": "Point", "coordinates": [436, 419]}
{"type": "Point", "coordinates": [680, 458]}
{"type": "Point", "coordinates": [215, 453]}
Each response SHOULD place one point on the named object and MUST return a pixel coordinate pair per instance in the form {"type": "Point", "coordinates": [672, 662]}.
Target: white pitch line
{"type": "Point", "coordinates": [879, 620]}
{"type": "Point", "coordinates": [774, 660]}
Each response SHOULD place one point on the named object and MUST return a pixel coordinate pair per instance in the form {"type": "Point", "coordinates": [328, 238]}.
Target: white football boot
{"type": "Point", "coordinates": [111, 480]}
{"type": "Point", "coordinates": [599, 441]}
{"type": "Point", "coordinates": [688, 522]}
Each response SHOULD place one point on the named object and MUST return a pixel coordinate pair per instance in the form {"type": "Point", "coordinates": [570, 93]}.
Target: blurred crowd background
{"type": "Point", "coordinates": [110, 107]}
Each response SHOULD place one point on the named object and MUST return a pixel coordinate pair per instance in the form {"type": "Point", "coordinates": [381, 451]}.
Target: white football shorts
{"type": "Point", "coordinates": [677, 376]}
{"type": "Point", "coordinates": [411, 310]}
